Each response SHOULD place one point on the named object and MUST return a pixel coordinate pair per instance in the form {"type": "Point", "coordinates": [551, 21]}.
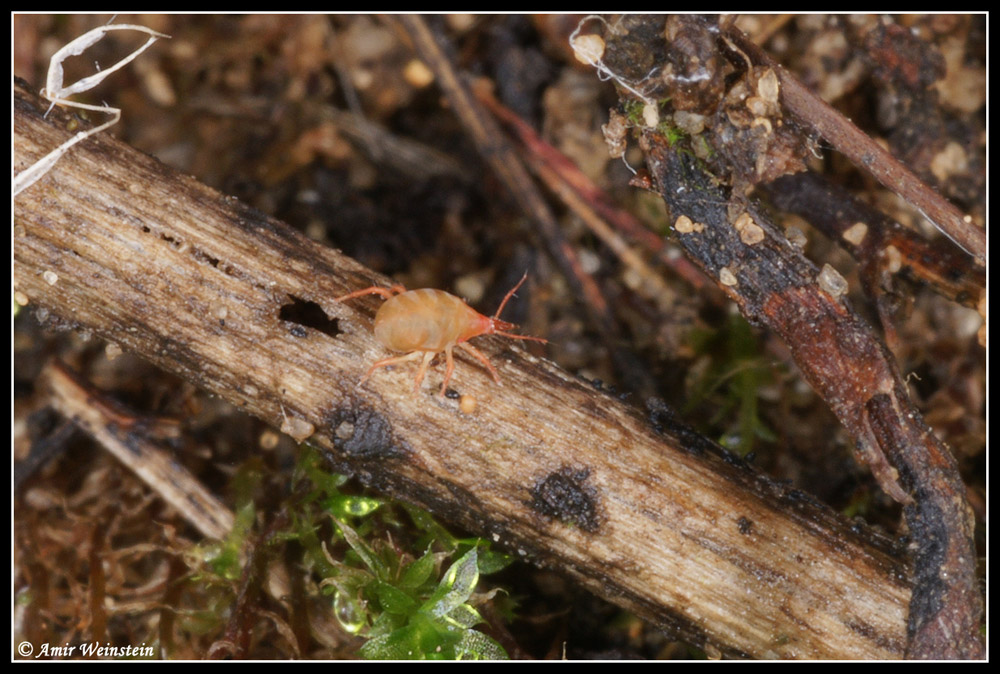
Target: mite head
{"type": "Point", "coordinates": [497, 325]}
{"type": "Point", "coordinates": [488, 325]}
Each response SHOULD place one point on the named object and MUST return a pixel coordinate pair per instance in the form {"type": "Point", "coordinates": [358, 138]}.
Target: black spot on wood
{"type": "Point", "coordinates": [929, 532]}
{"type": "Point", "coordinates": [363, 433]}
{"type": "Point", "coordinates": [564, 496]}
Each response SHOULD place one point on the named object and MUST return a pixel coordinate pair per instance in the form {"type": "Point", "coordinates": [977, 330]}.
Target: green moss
{"type": "Point", "coordinates": [389, 588]}
{"type": "Point", "coordinates": [734, 373]}
{"type": "Point", "coordinates": [633, 111]}
{"type": "Point", "coordinates": [672, 133]}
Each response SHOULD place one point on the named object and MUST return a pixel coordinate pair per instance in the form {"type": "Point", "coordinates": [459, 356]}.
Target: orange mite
{"type": "Point", "coordinates": [426, 322]}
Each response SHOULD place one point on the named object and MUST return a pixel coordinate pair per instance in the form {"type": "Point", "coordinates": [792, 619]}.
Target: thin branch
{"type": "Point", "coordinates": [585, 198]}
{"type": "Point", "coordinates": [42, 451]}
{"type": "Point", "coordinates": [124, 437]}
{"type": "Point", "coordinates": [882, 246]}
{"type": "Point", "coordinates": [776, 286]}
{"type": "Point", "coordinates": [866, 153]}
{"type": "Point", "coordinates": [867, 234]}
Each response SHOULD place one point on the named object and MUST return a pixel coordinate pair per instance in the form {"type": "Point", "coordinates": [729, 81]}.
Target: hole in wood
{"type": "Point", "coordinates": [310, 315]}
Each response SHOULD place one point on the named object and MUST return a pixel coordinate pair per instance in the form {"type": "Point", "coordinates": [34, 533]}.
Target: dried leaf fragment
{"type": "Point", "coordinates": [55, 92]}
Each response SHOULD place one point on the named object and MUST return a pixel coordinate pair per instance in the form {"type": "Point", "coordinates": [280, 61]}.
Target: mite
{"type": "Point", "coordinates": [425, 322]}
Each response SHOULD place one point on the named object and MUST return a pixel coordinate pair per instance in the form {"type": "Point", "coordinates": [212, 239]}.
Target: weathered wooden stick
{"type": "Point", "coordinates": [846, 364]}
{"type": "Point", "coordinates": [115, 431]}
{"type": "Point", "coordinates": [642, 511]}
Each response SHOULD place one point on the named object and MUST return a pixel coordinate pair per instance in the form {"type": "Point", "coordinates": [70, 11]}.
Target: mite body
{"type": "Point", "coordinates": [423, 323]}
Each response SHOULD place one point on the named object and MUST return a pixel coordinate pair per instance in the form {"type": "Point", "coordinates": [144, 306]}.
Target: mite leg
{"type": "Point", "coordinates": [482, 359]}
{"type": "Point", "coordinates": [511, 335]}
{"type": "Point", "coordinates": [448, 370]}
{"type": "Point", "coordinates": [510, 294]}
{"type": "Point", "coordinates": [428, 357]}
{"type": "Point", "coordinates": [386, 293]}
{"type": "Point", "coordinates": [390, 361]}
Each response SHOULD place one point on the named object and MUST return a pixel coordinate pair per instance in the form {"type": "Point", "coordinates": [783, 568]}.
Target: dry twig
{"type": "Point", "coordinates": [589, 202]}
{"type": "Point", "coordinates": [124, 436]}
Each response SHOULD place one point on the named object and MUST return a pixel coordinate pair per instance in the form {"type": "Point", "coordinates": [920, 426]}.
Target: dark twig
{"type": "Point", "coordinates": [733, 240]}
{"type": "Point", "coordinates": [775, 285]}
{"type": "Point", "coordinates": [837, 213]}
{"type": "Point", "coordinates": [406, 155]}
{"type": "Point", "coordinates": [882, 246]}
{"type": "Point", "coordinates": [42, 451]}
{"type": "Point", "coordinates": [866, 153]}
